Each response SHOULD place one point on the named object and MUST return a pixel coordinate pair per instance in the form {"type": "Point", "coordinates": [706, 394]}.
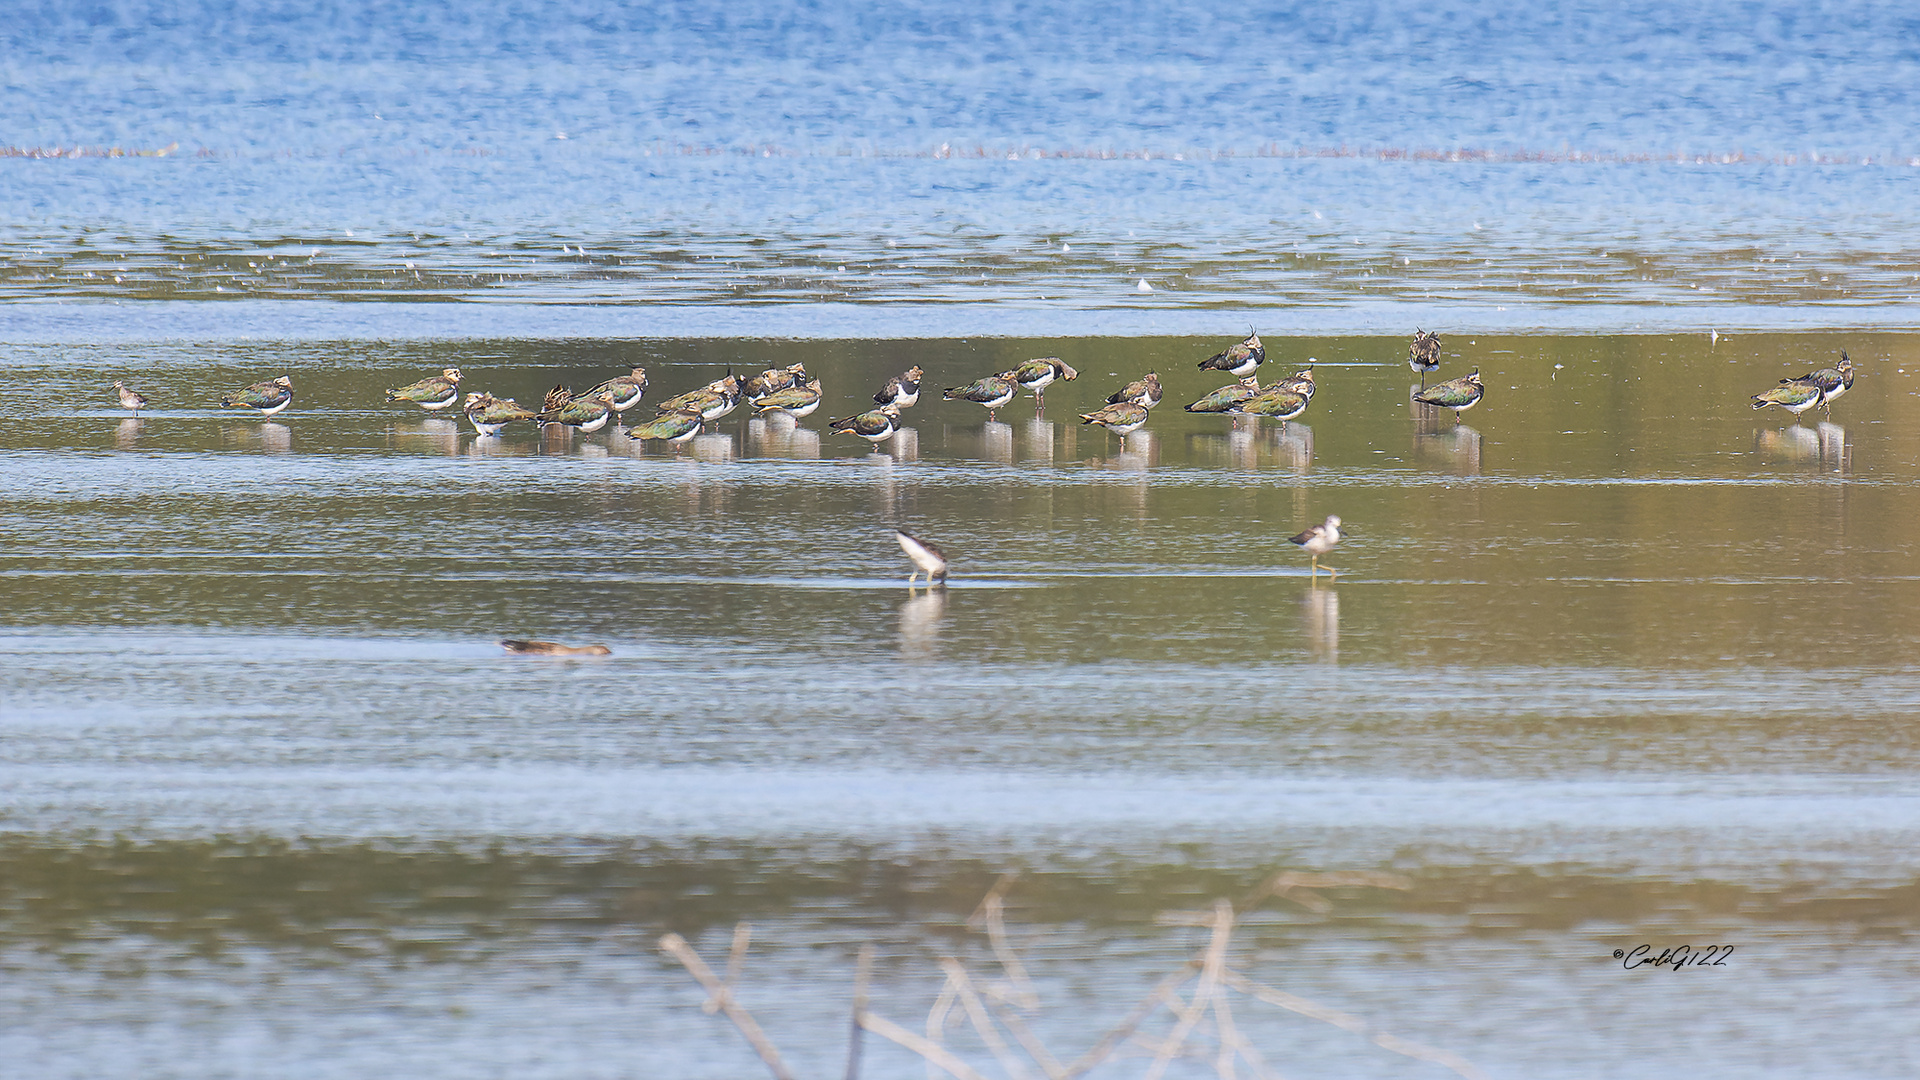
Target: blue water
{"type": "Point", "coordinates": [1259, 155]}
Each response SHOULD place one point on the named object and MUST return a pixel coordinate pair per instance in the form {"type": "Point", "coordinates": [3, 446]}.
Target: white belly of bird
{"type": "Point", "coordinates": [881, 437]}
{"type": "Point", "coordinates": [486, 428]}
{"type": "Point", "coordinates": [1834, 394]}
{"type": "Point", "coordinates": [999, 401]}
{"type": "Point", "coordinates": [685, 436]}
{"type": "Point", "coordinates": [1040, 383]}
{"type": "Point", "coordinates": [623, 406]}
{"type": "Point", "coordinates": [803, 410]}
{"type": "Point", "coordinates": [596, 423]}
{"type": "Point", "coordinates": [905, 400]}
{"type": "Point", "coordinates": [716, 411]}
{"type": "Point", "coordinates": [271, 409]}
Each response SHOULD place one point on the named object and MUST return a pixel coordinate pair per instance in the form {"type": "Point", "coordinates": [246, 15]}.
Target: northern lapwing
{"type": "Point", "coordinates": [774, 380]}
{"type": "Point", "coordinates": [623, 391]}
{"type": "Point", "coordinates": [794, 400]}
{"type": "Point", "coordinates": [1038, 374]}
{"type": "Point", "coordinates": [902, 390]}
{"type": "Point", "coordinates": [584, 414]}
{"type": "Point", "coordinates": [713, 401]}
{"type": "Point", "coordinates": [1833, 381]}
{"type": "Point", "coordinates": [1122, 418]}
{"type": "Point", "coordinates": [1275, 401]}
{"type": "Point", "coordinates": [1457, 394]}
{"type": "Point", "coordinates": [1227, 398]}
{"type": "Point", "coordinates": [1795, 397]}
{"type": "Point", "coordinates": [1242, 359]}
{"type": "Point", "coordinates": [1424, 354]}
{"type": "Point", "coordinates": [926, 558]}
{"type": "Point", "coordinates": [489, 414]}
{"type": "Point", "coordinates": [1318, 541]}
{"type": "Point", "coordinates": [673, 427]}
{"type": "Point", "coordinates": [267, 397]}
{"type": "Point", "coordinates": [1144, 392]}
{"type": "Point", "coordinates": [130, 400]}
{"type": "Point", "coordinates": [1300, 382]}
{"type": "Point", "coordinates": [874, 425]}
{"type": "Point", "coordinates": [992, 392]}
{"type": "Point", "coordinates": [433, 392]}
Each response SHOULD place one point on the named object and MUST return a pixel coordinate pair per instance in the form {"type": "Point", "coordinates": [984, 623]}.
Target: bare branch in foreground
{"type": "Point", "coordinates": [1354, 1024]}
{"type": "Point", "coordinates": [937, 1055]}
{"type": "Point", "coordinates": [862, 968]}
{"type": "Point", "coordinates": [676, 946]}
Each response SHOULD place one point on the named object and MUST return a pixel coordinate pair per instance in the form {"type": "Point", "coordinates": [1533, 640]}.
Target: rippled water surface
{"type": "Point", "coordinates": [1612, 660]}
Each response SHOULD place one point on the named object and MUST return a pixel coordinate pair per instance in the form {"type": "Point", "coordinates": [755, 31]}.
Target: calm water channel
{"type": "Point", "coordinates": [1612, 661]}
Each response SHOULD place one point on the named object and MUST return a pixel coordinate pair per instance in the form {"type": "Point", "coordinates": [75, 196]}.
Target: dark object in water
{"type": "Point", "coordinates": [551, 648]}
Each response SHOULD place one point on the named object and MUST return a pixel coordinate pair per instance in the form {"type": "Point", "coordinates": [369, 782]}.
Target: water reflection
{"type": "Point", "coordinates": [1234, 449]}
{"type": "Point", "coordinates": [127, 434]}
{"type": "Point", "coordinates": [1038, 439]}
{"type": "Point", "coordinates": [269, 437]}
{"type": "Point", "coordinates": [904, 446]}
{"type": "Point", "coordinates": [920, 619]}
{"type": "Point", "coordinates": [996, 442]}
{"type": "Point", "coordinates": [780, 435]}
{"type": "Point", "coordinates": [1320, 622]}
{"type": "Point", "coordinates": [715, 446]}
{"type": "Point", "coordinates": [495, 446]}
{"type": "Point", "coordinates": [1138, 450]}
{"type": "Point", "coordinates": [1294, 442]}
{"type": "Point", "coordinates": [1825, 446]}
{"type": "Point", "coordinates": [437, 436]}
{"type": "Point", "coordinates": [1457, 449]}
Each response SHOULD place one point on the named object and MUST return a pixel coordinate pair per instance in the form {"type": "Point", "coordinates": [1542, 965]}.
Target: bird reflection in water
{"type": "Point", "coordinates": [1294, 443]}
{"type": "Point", "coordinates": [127, 435]}
{"type": "Point", "coordinates": [493, 446]}
{"type": "Point", "coordinates": [1038, 439]}
{"type": "Point", "coordinates": [780, 435]}
{"type": "Point", "coordinates": [1824, 446]}
{"type": "Point", "coordinates": [996, 442]}
{"type": "Point", "coordinates": [1138, 450]}
{"type": "Point", "coordinates": [435, 436]}
{"type": "Point", "coordinates": [1320, 621]}
{"type": "Point", "coordinates": [715, 446]}
{"type": "Point", "coordinates": [920, 618]}
{"type": "Point", "coordinates": [270, 437]}
{"type": "Point", "coordinates": [904, 446]}
{"type": "Point", "coordinates": [1457, 449]}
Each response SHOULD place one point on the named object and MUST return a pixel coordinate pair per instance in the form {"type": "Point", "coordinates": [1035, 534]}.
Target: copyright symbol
{"type": "Point", "coordinates": [1619, 954]}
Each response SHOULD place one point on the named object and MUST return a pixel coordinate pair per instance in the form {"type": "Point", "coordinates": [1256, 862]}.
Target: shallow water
{"type": "Point", "coordinates": [1611, 660]}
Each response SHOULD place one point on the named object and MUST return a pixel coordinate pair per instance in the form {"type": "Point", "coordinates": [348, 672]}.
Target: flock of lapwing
{"type": "Point", "coordinates": [791, 391]}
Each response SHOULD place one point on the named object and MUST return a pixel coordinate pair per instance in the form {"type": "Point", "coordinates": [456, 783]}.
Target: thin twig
{"type": "Point", "coordinates": [982, 1023]}
{"type": "Point", "coordinates": [1031, 1042]}
{"type": "Point", "coordinates": [990, 916]}
{"type": "Point", "coordinates": [1232, 1041]}
{"type": "Point", "coordinates": [676, 946]}
{"type": "Point", "coordinates": [861, 970]}
{"type": "Point", "coordinates": [938, 1055]}
{"type": "Point", "coordinates": [937, 1019]}
{"type": "Point", "coordinates": [1210, 971]}
{"type": "Point", "coordinates": [736, 956]}
{"type": "Point", "coordinates": [1354, 1024]}
{"type": "Point", "coordinates": [1126, 1027]}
